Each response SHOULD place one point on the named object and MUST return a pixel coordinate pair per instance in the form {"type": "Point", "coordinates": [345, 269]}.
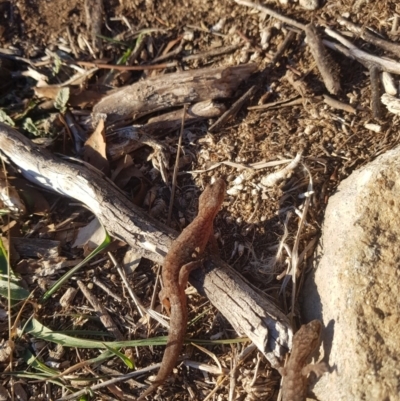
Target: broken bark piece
{"type": "Point", "coordinates": [326, 65]}
{"type": "Point", "coordinates": [171, 90]}
{"type": "Point", "coordinates": [249, 311]}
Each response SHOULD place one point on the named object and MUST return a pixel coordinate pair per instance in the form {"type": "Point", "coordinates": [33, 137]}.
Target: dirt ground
{"type": "Point", "coordinates": [333, 143]}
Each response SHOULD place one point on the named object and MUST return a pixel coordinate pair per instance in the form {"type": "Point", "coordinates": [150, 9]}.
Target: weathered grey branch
{"type": "Point", "coordinates": [249, 312]}
{"type": "Point", "coordinates": [350, 50]}
{"type": "Point", "coordinates": [171, 90]}
{"type": "Point", "coordinates": [369, 37]}
{"type": "Point", "coordinates": [128, 139]}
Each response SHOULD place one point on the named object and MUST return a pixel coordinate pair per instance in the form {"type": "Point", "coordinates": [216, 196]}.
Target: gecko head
{"type": "Point", "coordinates": [213, 196]}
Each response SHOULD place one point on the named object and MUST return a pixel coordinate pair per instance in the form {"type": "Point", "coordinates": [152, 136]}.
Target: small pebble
{"type": "Point", "coordinates": [309, 4]}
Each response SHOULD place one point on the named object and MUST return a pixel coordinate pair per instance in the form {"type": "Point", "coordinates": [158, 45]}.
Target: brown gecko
{"type": "Point", "coordinates": [180, 260]}
{"type": "Point", "coordinates": [296, 371]}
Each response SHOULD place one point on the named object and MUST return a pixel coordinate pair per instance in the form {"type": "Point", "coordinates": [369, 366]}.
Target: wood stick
{"type": "Point", "coordinates": [374, 75]}
{"type": "Point", "coordinates": [94, 13]}
{"type": "Point", "coordinates": [369, 37]}
{"type": "Point", "coordinates": [275, 105]}
{"type": "Point", "coordinates": [142, 67]}
{"type": "Point", "coordinates": [171, 90]}
{"type": "Point", "coordinates": [336, 104]}
{"type": "Point", "coordinates": [127, 139]}
{"type": "Point", "coordinates": [101, 311]}
{"type": "Point", "coordinates": [326, 65]}
{"type": "Point", "coordinates": [363, 57]}
{"type": "Point", "coordinates": [248, 310]}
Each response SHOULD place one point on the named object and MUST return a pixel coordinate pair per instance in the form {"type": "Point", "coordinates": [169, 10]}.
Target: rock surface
{"type": "Point", "coordinates": [355, 285]}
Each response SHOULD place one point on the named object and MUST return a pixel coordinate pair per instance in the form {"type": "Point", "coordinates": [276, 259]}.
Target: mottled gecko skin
{"type": "Point", "coordinates": [180, 260]}
{"type": "Point", "coordinates": [296, 371]}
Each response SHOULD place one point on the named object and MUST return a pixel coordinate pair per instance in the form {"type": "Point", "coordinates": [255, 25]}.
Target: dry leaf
{"type": "Point", "coordinates": [94, 151]}
{"type": "Point", "coordinates": [6, 348]}
{"type": "Point", "coordinates": [90, 236]}
{"type": "Point", "coordinates": [10, 198]}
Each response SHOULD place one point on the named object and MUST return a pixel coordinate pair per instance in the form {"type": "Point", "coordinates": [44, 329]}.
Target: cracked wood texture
{"type": "Point", "coordinates": [249, 311]}
{"type": "Point", "coordinates": [170, 90]}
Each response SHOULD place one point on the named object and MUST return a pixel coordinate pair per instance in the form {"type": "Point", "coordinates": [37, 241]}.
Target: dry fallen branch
{"type": "Point", "coordinates": [172, 90]}
{"type": "Point", "coordinates": [128, 139]}
{"type": "Point", "coordinates": [280, 103]}
{"type": "Point", "coordinates": [369, 37]}
{"type": "Point", "coordinates": [363, 57]}
{"type": "Point", "coordinates": [248, 311]}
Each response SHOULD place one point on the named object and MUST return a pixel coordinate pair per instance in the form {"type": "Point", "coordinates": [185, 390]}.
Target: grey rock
{"type": "Point", "coordinates": [355, 285]}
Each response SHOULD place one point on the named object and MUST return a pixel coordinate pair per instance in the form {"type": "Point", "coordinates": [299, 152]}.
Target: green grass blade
{"type": "Point", "coordinates": [121, 356]}
{"type": "Point", "coordinates": [36, 329]}
{"type": "Point", "coordinates": [16, 291]}
{"type": "Point", "coordinates": [68, 275]}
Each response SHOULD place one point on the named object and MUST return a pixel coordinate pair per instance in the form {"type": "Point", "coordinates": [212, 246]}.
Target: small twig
{"type": "Point", "coordinates": [171, 54]}
{"type": "Point", "coordinates": [107, 383]}
{"type": "Point", "coordinates": [272, 13]}
{"type": "Point", "coordinates": [123, 67]}
{"type": "Point", "coordinates": [295, 251]}
{"type": "Point", "coordinates": [325, 63]}
{"type": "Point", "coordinates": [176, 167]}
{"type": "Point", "coordinates": [233, 110]}
{"type": "Point", "coordinates": [374, 73]}
{"type": "Point", "coordinates": [141, 309]}
{"type": "Point", "coordinates": [363, 57]}
{"type": "Point", "coordinates": [101, 311]}
{"type": "Point", "coordinates": [369, 37]}
{"type": "Point", "coordinates": [281, 103]}
{"type": "Point", "coordinates": [71, 43]}
{"type": "Point", "coordinates": [106, 289]}
{"type": "Point", "coordinates": [336, 104]}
